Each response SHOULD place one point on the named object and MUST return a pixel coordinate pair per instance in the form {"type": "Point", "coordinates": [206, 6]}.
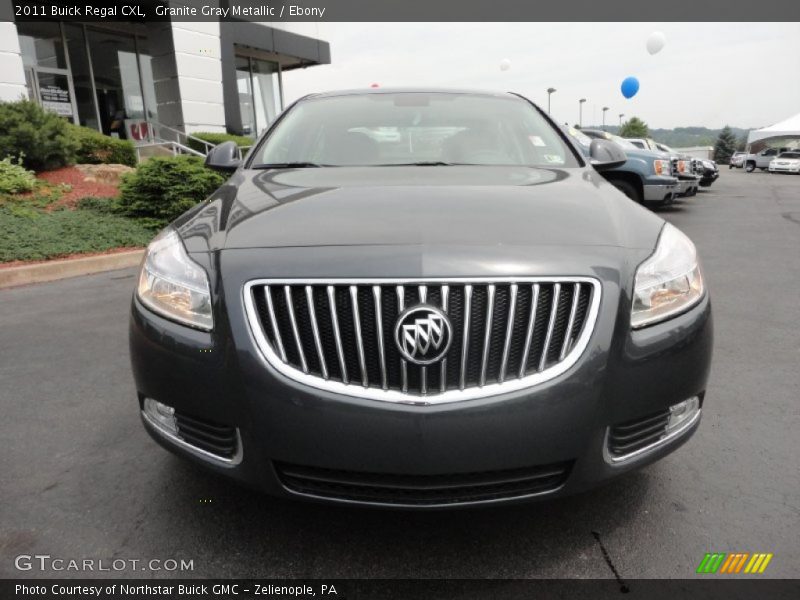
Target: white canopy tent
{"type": "Point", "coordinates": [790, 128]}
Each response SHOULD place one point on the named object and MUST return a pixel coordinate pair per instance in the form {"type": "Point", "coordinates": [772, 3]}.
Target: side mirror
{"type": "Point", "coordinates": [605, 154]}
{"type": "Point", "coordinates": [225, 157]}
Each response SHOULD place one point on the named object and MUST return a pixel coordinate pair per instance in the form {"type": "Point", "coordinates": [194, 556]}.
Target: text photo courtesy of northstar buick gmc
{"type": "Point", "coordinates": [421, 299]}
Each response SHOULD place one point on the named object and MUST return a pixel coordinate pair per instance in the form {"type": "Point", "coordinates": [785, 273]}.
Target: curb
{"type": "Point", "coordinates": [71, 267]}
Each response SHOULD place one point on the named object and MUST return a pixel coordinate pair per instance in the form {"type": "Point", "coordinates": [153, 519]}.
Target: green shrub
{"type": "Point", "coordinates": [109, 206]}
{"type": "Point", "coordinates": [218, 138]}
{"type": "Point", "coordinates": [30, 234]}
{"type": "Point", "coordinates": [40, 138]}
{"type": "Point", "coordinates": [95, 148]}
{"type": "Point", "coordinates": [14, 178]}
{"type": "Point", "coordinates": [163, 188]}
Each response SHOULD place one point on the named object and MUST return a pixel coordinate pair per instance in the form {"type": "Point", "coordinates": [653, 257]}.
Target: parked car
{"type": "Point", "coordinates": [707, 170]}
{"type": "Point", "coordinates": [646, 176]}
{"type": "Point", "coordinates": [762, 159]}
{"type": "Point", "coordinates": [737, 160]}
{"type": "Point", "coordinates": [683, 166]}
{"type": "Point", "coordinates": [486, 320]}
{"type": "Point", "coordinates": [786, 162]}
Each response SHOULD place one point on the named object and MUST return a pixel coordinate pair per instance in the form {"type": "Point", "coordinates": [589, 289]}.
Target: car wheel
{"type": "Point", "coordinates": [628, 189]}
{"type": "Point", "coordinates": [750, 167]}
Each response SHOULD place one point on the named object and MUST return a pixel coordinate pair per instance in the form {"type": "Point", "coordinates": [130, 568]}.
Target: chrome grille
{"type": "Point", "coordinates": [339, 335]}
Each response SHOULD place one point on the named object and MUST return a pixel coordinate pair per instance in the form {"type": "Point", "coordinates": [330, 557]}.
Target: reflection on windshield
{"type": "Point", "coordinates": [420, 129]}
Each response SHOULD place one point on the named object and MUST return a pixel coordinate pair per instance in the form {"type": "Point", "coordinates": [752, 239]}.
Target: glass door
{"type": "Point", "coordinates": [47, 67]}
{"type": "Point", "coordinates": [54, 91]}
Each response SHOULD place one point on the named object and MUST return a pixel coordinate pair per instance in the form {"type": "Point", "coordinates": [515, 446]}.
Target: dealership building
{"type": "Point", "coordinates": [125, 78]}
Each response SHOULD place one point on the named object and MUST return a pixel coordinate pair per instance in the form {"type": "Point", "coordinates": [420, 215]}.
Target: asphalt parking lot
{"type": "Point", "coordinates": [80, 478]}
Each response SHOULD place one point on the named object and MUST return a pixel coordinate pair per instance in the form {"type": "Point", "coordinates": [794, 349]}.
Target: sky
{"type": "Point", "coordinates": [708, 74]}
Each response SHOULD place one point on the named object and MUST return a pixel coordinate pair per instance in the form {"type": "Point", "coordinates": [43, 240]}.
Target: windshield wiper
{"type": "Point", "coordinates": [422, 163]}
{"type": "Point", "coordinates": [287, 165]}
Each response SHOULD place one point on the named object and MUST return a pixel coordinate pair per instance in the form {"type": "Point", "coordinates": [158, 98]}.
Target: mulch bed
{"type": "Point", "coordinates": [80, 188]}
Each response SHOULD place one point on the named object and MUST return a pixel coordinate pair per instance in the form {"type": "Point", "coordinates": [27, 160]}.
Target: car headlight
{"type": "Point", "coordinates": [173, 285]}
{"type": "Point", "coordinates": [667, 283]}
{"type": "Point", "coordinates": [662, 167]}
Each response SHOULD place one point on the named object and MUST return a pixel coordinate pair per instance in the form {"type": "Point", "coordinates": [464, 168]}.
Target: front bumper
{"type": "Point", "coordinates": [686, 186]}
{"type": "Point", "coordinates": [622, 375]}
{"type": "Point", "coordinates": [708, 177]}
{"type": "Point", "coordinates": [784, 168]}
{"type": "Point", "coordinates": [658, 192]}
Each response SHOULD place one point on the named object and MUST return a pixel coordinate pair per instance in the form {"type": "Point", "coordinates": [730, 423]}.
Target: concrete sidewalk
{"type": "Point", "coordinates": [70, 267]}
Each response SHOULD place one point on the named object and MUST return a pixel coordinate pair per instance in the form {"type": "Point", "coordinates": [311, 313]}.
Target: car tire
{"type": "Point", "coordinates": [628, 189]}
{"type": "Point", "coordinates": [750, 167]}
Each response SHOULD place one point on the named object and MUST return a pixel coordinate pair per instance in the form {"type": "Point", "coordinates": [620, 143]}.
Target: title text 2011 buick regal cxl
{"type": "Point", "coordinates": [420, 298]}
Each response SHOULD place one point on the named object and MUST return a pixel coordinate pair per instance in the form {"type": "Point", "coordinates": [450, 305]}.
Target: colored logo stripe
{"type": "Point", "coordinates": [758, 563]}
{"type": "Point", "coordinates": [711, 562]}
{"type": "Point", "coordinates": [734, 563]}
{"type": "Point", "coordinates": [722, 562]}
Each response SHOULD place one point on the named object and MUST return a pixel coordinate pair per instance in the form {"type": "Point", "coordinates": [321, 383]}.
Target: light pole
{"type": "Point", "coordinates": [549, 91]}
{"type": "Point", "coordinates": [605, 108]}
{"type": "Point", "coordinates": [620, 118]}
{"type": "Point", "coordinates": [580, 111]}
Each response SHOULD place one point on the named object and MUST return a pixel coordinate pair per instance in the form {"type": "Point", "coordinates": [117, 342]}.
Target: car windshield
{"type": "Point", "coordinates": [411, 128]}
{"type": "Point", "coordinates": [790, 155]}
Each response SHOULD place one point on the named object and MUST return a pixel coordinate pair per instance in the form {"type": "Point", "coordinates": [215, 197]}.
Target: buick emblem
{"type": "Point", "coordinates": [423, 334]}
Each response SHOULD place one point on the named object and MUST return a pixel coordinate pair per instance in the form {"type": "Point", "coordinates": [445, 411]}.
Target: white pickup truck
{"type": "Point", "coordinates": [762, 159]}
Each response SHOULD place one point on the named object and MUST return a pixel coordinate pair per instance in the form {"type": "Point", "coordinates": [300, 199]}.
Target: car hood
{"type": "Point", "coordinates": [417, 206]}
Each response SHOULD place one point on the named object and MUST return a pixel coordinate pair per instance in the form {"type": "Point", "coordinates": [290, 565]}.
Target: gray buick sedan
{"type": "Point", "coordinates": [421, 299]}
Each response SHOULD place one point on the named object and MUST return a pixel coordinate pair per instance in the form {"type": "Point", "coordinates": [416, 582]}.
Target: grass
{"type": "Point", "coordinates": [31, 229]}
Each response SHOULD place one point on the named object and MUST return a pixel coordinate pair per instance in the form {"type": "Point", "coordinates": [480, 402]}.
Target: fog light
{"type": "Point", "coordinates": [682, 412]}
{"type": "Point", "coordinates": [161, 414]}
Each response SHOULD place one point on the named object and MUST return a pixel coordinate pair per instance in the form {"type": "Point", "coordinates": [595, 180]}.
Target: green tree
{"type": "Point", "coordinates": [725, 146]}
{"type": "Point", "coordinates": [634, 128]}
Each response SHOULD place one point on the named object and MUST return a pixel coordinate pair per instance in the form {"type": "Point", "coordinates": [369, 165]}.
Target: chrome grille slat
{"type": "Point", "coordinates": [571, 323]}
{"type": "Point", "coordinates": [445, 306]}
{"type": "Point", "coordinates": [274, 322]}
{"type": "Point", "coordinates": [526, 348]}
{"type": "Point", "coordinates": [401, 306]}
{"type": "Point", "coordinates": [465, 340]}
{"type": "Point", "coordinates": [509, 332]}
{"type": "Point", "coordinates": [287, 292]}
{"type": "Point", "coordinates": [362, 363]}
{"type": "Point", "coordinates": [312, 314]}
{"type": "Point", "coordinates": [549, 337]}
{"type": "Point", "coordinates": [487, 337]}
{"type": "Point", "coordinates": [376, 293]}
{"type": "Point", "coordinates": [340, 335]}
{"type": "Point", "coordinates": [337, 335]}
{"type": "Point", "coordinates": [423, 372]}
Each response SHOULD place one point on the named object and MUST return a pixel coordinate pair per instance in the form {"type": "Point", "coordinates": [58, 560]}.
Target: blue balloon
{"type": "Point", "coordinates": [629, 87]}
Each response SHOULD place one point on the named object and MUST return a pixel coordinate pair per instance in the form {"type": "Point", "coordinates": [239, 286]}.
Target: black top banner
{"type": "Point", "coordinates": [401, 10]}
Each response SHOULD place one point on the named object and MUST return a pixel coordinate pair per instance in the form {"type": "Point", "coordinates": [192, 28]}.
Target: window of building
{"type": "Point", "coordinates": [258, 85]}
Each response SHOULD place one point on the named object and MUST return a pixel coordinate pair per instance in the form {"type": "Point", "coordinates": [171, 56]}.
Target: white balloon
{"type": "Point", "coordinates": [656, 42]}
{"type": "Point", "coordinates": [505, 64]}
